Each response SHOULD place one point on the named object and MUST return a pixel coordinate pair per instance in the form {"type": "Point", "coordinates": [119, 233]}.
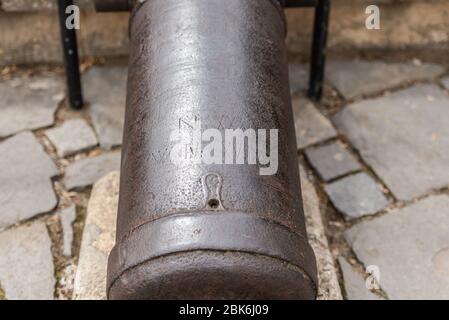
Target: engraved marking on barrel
{"type": "Point", "coordinates": [160, 155]}
{"type": "Point", "coordinates": [212, 184]}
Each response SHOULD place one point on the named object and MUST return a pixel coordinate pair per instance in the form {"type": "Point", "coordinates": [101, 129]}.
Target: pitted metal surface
{"type": "Point", "coordinates": [222, 63]}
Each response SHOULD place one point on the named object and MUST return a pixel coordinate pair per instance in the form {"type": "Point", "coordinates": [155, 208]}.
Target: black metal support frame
{"type": "Point", "coordinates": [318, 55]}
{"type": "Point", "coordinates": [317, 64]}
{"type": "Point", "coordinates": [71, 61]}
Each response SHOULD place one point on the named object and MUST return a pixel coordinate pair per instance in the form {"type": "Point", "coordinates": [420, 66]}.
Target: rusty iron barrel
{"type": "Point", "coordinates": [208, 230]}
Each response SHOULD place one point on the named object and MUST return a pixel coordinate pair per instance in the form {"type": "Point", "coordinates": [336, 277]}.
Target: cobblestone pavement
{"type": "Point", "coordinates": [377, 147]}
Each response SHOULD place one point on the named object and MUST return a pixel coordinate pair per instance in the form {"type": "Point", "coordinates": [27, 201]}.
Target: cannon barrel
{"type": "Point", "coordinates": [197, 227]}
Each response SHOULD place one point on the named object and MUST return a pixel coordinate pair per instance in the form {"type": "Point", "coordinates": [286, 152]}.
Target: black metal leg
{"type": "Point", "coordinates": [71, 61]}
{"type": "Point", "coordinates": [318, 56]}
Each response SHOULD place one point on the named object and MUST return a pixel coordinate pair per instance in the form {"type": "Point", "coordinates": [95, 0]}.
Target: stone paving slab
{"type": "Point", "coordinates": [73, 136]}
{"type": "Point", "coordinates": [310, 125]}
{"type": "Point", "coordinates": [410, 246]}
{"type": "Point", "coordinates": [354, 78]}
{"type": "Point", "coordinates": [28, 104]}
{"type": "Point", "coordinates": [26, 263]}
{"type": "Point", "coordinates": [99, 238]}
{"type": "Point", "coordinates": [298, 77]}
{"type": "Point", "coordinates": [105, 91]}
{"type": "Point", "coordinates": [25, 174]}
{"type": "Point", "coordinates": [356, 195]}
{"type": "Point", "coordinates": [87, 171]}
{"type": "Point", "coordinates": [355, 284]}
{"type": "Point", "coordinates": [332, 160]}
{"type": "Point", "coordinates": [404, 137]}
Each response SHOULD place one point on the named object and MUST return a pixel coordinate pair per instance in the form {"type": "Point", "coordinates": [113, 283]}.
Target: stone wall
{"type": "Point", "coordinates": [33, 37]}
{"type": "Point", "coordinates": [29, 29]}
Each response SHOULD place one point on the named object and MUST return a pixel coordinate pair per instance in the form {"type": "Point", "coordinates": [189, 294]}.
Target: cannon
{"type": "Point", "coordinates": [210, 204]}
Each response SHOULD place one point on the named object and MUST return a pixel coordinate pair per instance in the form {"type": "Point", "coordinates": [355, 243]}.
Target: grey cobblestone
{"type": "Point", "coordinates": [105, 91]}
{"type": "Point", "coordinates": [73, 136]}
{"type": "Point", "coordinates": [332, 160]}
{"type": "Point", "coordinates": [356, 195]}
{"type": "Point", "coordinates": [85, 172]}
{"type": "Point", "coordinates": [25, 172]}
{"type": "Point", "coordinates": [404, 137]}
{"type": "Point", "coordinates": [28, 104]}
{"type": "Point", "coordinates": [356, 78]}
{"type": "Point", "coordinates": [410, 247]}
{"type": "Point", "coordinates": [26, 263]}
{"type": "Point", "coordinates": [311, 126]}
{"type": "Point", "coordinates": [355, 285]}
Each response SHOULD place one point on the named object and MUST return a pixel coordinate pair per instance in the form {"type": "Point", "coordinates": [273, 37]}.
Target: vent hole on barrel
{"type": "Point", "coordinates": [213, 203]}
